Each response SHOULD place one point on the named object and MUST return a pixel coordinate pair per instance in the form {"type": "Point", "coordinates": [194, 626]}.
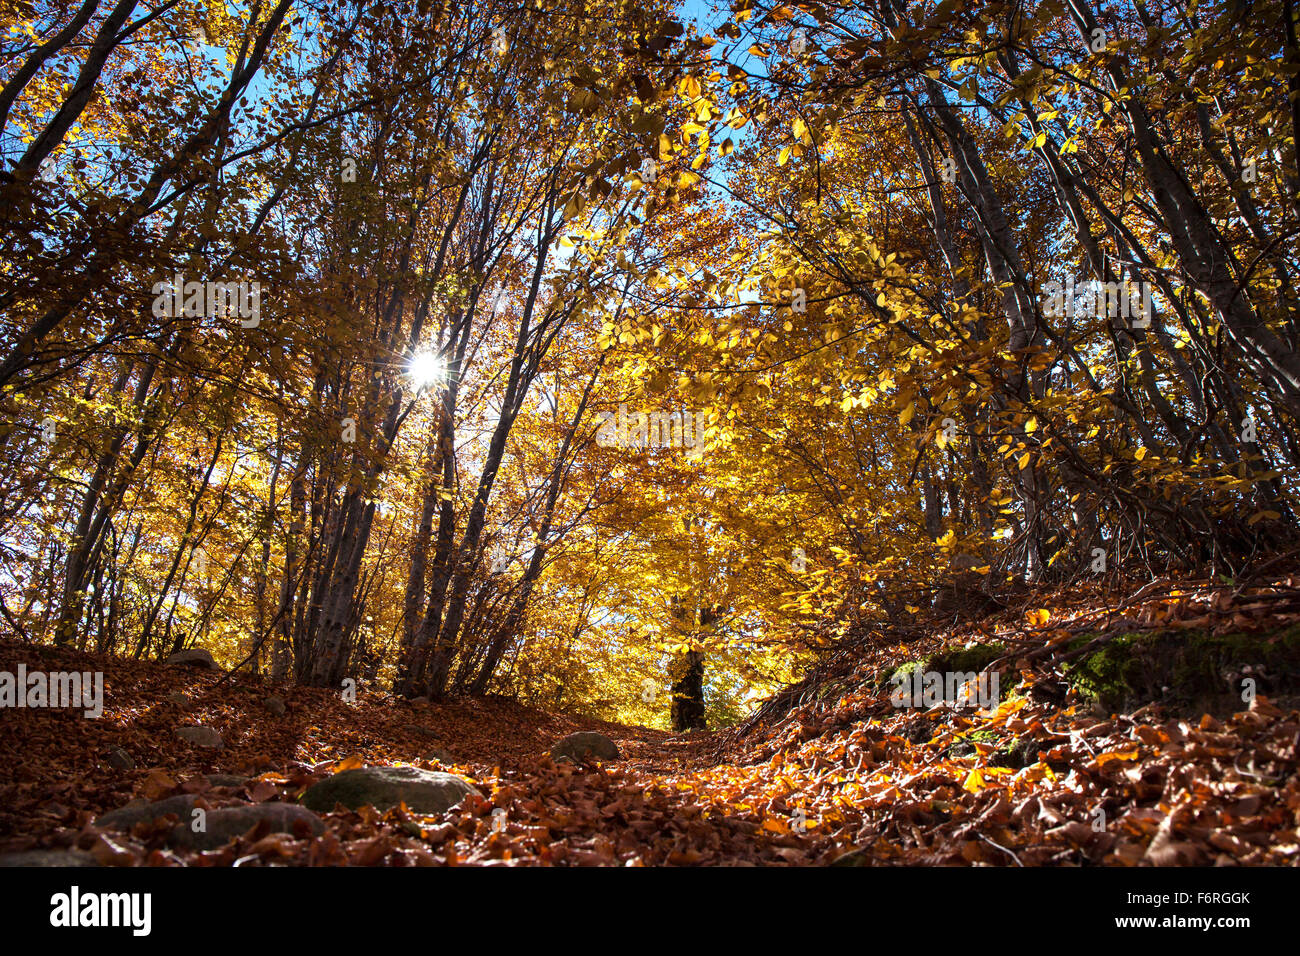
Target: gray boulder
{"type": "Point", "coordinates": [275, 705]}
{"type": "Point", "coordinates": [585, 744]}
{"type": "Point", "coordinates": [125, 818]}
{"type": "Point", "coordinates": [194, 657]}
{"type": "Point", "coordinates": [48, 858]}
{"type": "Point", "coordinates": [222, 826]}
{"type": "Point", "coordinates": [201, 736]}
{"type": "Point", "coordinates": [423, 791]}
{"type": "Point", "coordinates": [225, 780]}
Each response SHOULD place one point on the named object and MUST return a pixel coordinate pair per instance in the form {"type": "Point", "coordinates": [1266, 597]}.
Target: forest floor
{"type": "Point", "coordinates": [1068, 767]}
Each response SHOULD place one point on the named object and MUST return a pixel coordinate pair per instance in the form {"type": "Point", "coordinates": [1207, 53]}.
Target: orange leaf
{"type": "Point", "coordinates": [1108, 756]}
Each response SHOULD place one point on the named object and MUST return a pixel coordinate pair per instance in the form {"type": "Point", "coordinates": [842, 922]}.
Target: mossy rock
{"type": "Point", "coordinates": [966, 659]}
{"type": "Point", "coordinates": [1019, 753]}
{"type": "Point", "coordinates": [964, 746]}
{"type": "Point", "coordinates": [423, 791]}
{"type": "Point", "coordinates": [889, 673]}
{"type": "Point", "coordinates": [963, 659]}
{"type": "Point", "coordinates": [1190, 672]}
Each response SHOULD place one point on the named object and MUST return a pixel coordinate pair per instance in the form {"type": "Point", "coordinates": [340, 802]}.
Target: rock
{"type": "Point", "coordinates": [48, 858]}
{"type": "Point", "coordinates": [438, 755]}
{"type": "Point", "coordinates": [194, 657]}
{"type": "Point", "coordinates": [201, 736]}
{"type": "Point", "coordinates": [919, 731]}
{"type": "Point", "coordinates": [226, 824]}
{"type": "Point", "coordinates": [420, 702]}
{"type": "Point", "coordinates": [960, 750]}
{"type": "Point", "coordinates": [275, 705]}
{"type": "Point", "coordinates": [853, 858]}
{"type": "Point", "coordinates": [177, 698]}
{"type": "Point", "coordinates": [1188, 671]}
{"type": "Point", "coordinates": [125, 818]}
{"type": "Point", "coordinates": [1020, 753]}
{"type": "Point", "coordinates": [585, 743]}
{"type": "Point", "coordinates": [225, 780]}
{"type": "Point", "coordinates": [423, 791]}
{"type": "Point", "coordinates": [119, 759]}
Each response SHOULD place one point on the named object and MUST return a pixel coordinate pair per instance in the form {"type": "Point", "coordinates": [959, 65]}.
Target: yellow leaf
{"type": "Point", "coordinates": [907, 413]}
{"type": "Point", "coordinates": [1040, 617]}
{"type": "Point", "coordinates": [1036, 772]}
{"type": "Point", "coordinates": [1108, 756]}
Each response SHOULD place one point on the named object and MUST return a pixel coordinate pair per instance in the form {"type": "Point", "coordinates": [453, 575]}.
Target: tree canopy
{"type": "Point", "coordinates": [621, 358]}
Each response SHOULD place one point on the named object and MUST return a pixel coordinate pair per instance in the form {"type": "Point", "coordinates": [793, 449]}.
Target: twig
{"type": "Point", "coordinates": [999, 846]}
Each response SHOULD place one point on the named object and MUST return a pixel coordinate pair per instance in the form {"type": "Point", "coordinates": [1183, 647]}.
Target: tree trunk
{"type": "Point", "coordinates": [688, 693]}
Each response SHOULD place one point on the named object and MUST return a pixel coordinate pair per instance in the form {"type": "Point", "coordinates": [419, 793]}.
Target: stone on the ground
{"type": "Point", "coordinates": [48, 858]}
{"type": "Point", "coordinates": [201, 736]}
{"type": "Point", "coordinates": [420, 702]}
{"type": "Point", "coordinates": [275, 705]}
{"type": "Point", "coordinates": [177, 698]}
{"type": "Point", "coordinates": [423, 791]}
{"type": "Point", "coordinates": [125, 818]}
{"type": "Point", "coordinates": [440, 755]}
{"type": "Point", "coordinates": [225, 824]}
{"type": "Point", "coordinates": [225, 780]}
{"type": "Point", "coordinates": [853, 858]}
{"type": "Point", "coordinates": [584, 744]}
{"type": "Point", "coordinates": [194, 657]}
{"type": "Point", "coordinates": [119, 759]}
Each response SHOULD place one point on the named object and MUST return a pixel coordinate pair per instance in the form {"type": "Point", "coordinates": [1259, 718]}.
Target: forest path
{"type": "Point", "coordinates": [838, 772]}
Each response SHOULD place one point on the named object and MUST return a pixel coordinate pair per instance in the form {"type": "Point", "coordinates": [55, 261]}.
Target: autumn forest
{"type": "Point", "coordinates": [855, 432]}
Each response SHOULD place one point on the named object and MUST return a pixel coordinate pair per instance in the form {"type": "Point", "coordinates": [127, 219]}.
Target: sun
{"type": "Point", "coordinates": [426, 368]}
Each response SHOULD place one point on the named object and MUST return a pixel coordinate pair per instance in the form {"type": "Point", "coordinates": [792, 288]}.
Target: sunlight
{"type": "Point", "coordinates": [872, 442]}
{"type": "Point", "coordinates": [426, 368]}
